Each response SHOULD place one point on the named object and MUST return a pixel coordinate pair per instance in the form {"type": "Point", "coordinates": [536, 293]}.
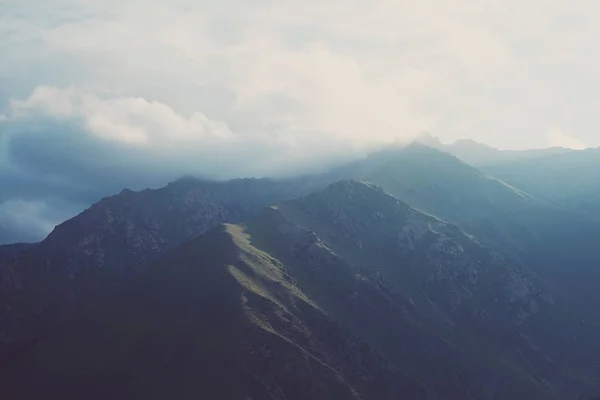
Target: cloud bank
{"type": "Point", "coordinates": [97, 96]}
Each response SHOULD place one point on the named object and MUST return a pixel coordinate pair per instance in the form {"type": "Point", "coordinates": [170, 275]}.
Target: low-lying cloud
{"type": "Point", "coordinates": [80, 144]}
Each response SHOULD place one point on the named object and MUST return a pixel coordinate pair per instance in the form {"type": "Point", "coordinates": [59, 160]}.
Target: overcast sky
{"type": "Point", "coordinates": [96, 95]}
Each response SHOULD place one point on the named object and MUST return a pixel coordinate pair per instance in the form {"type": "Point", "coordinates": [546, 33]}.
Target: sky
{"type": "Point", "coordinates": [98, 95]}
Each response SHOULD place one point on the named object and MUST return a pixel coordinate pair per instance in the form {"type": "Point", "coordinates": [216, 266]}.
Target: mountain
{"type": "Point", "coordinates": [122, 233]}
{"type": "Point", "coordinates": [345, 294]}
{"type": "Point", "coordinates": [440, 184]}
{"type": "Point", "coordinates": [482, 155]}
{"type": "Point", "coordinates": [554, 241]}
{"type": "Point", "coordinates": [215, 319]}
{"type": "Point", "coordinates": [569, 180]}
{"type": "Point", "coordinates": [452, 274]}
{"type": "Point", "coordinates": [41, 283]}
{"type": "Point", "coordinates": [517, 303]}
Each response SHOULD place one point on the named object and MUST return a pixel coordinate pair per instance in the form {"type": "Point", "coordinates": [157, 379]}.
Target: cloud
{"type": "Point", "coordinates": [557, 138]}
{"type": "Point", "coordinates": [129, 120]}
{"type": "Point", "coordinates": [54, 127]}
{"type": "Point", "coordinates": [96, 96]}
{"type": "Point", "coordinates": [26, 221]}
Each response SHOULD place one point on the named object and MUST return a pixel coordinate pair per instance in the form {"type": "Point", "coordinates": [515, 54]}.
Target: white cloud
{"type": "Point", "coordinates": [366, 71]}
{"type": "Point", "coordinates": [557, 138]}
{"type": "Point", "coordinates": [332, 68]}
{"type": "Point", "coordinates": [149, 137]}
{"type": "Point", "coordinates": [130, 120]}
{"type": "Point", "coordinates": [490, 71]}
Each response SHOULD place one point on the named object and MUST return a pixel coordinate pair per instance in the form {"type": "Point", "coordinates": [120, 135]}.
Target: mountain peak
{"type": "Point", "coordinates": [429, 140]}
{"type": "Point", "coordinates": [351, 186]}
{"type": "Point", "coordinates": [356, 192]}
{"type": "Point", "coordinates": [472, 145]}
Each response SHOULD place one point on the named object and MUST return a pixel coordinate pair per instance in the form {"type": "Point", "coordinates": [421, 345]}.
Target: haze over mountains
{"type": "Point", "coordinates": [408, 274]}
{"type": "Point", "coordinates": [480, 154]}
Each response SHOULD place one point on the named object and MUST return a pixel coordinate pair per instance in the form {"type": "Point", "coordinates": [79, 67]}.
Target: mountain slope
{"type": "Point", "coordinates": [42, 283]}
{"type": "Point", "coordinates": [122, 233]}
{"type": "Point", "coordinates": [570, 180]}
{"type": "Point", "coordinates": [545, 237]}
{"type": "Point", "coordinates": [438, 183]}
{"type": "Point", "coordinates": [347, 293]}
{"type": "Point", "coordinates": [481, 292]}
{"type": "Point", "coordinates": [215, 319]}
{"type": "Point", "coordinates": [538, 338]}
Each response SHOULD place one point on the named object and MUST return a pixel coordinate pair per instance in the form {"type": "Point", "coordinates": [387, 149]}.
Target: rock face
{"type": "Point", "coordinates": [347, 293]}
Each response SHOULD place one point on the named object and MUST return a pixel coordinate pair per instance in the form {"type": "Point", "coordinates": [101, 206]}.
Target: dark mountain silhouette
{"type": "Point", "coordinates": [41, 283]}
{"type": "Point", "coordinates": [347, 293]}
{"type": "Point", "coordinates": [506, 290]}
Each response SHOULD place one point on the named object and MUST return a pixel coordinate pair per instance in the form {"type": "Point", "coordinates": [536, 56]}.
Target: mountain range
{"type": "Point", "coordinates": [409, 274]}
{"type": "Point", "coordinates": [481, 155]}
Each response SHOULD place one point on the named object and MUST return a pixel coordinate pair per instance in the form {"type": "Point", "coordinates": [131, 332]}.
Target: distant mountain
{"type": "Point", "coordinates": [345, 294]}
{"type": "Point", "coordinates": [481, 155]}
{"type": "Point", "coordinates": [440, 184]}
{"type": "Point", "coordinates": [549, 238]}
{"type": "Point", "coordinates": [569, 180]}
{"type": "Point", "coordinates": [544, 341]}
{"type": "Point", "coordinates": [122, 233]}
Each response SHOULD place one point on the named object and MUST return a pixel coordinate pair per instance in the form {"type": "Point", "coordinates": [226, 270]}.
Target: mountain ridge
{"type": "Point", "coordinates": [330, 252]}
{"type": "Point", "coordinates": [482, 155]}
{"type": "Point", "coordinates": [115, 241]}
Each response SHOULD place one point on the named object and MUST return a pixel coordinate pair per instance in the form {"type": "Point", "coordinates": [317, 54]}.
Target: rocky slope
{"type": "Point", "coordinates": [445, 270]}
{"type": "Point", "coordinates": [346, 294]}
{"type": "Point", "coordinates": [217, 318]}
{"type": "Point", "coordinates": [555, 242]}
{"type": "Point", "coordinates": [39, 284]}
